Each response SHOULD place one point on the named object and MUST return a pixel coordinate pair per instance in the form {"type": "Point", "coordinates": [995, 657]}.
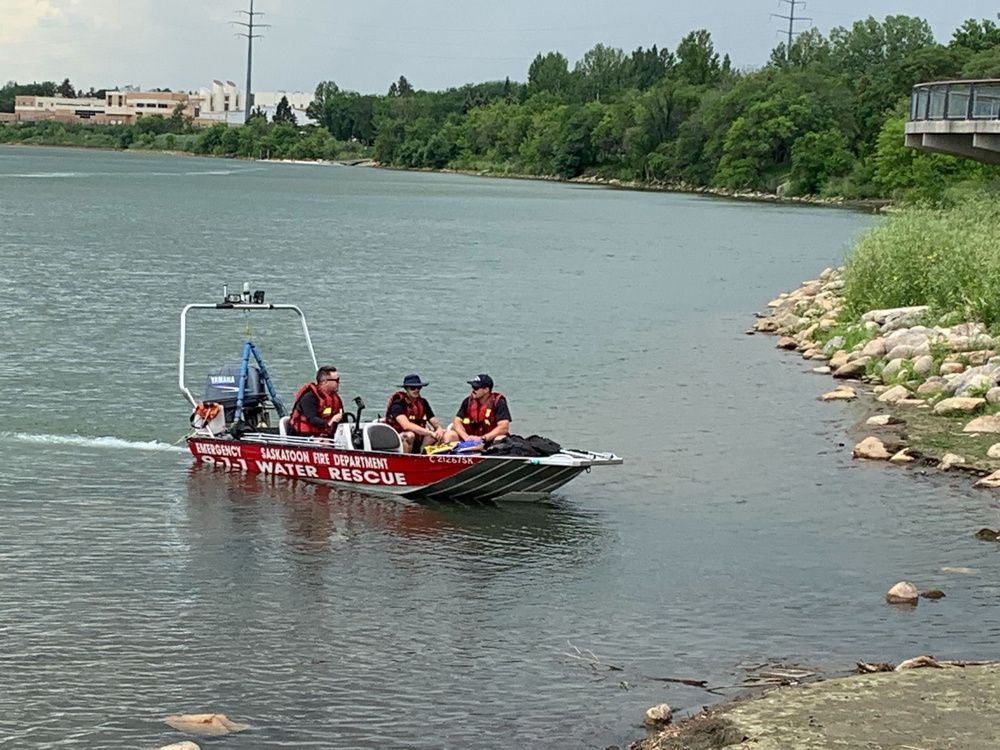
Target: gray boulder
{"type": "Point", "coordinates": [903, 592]}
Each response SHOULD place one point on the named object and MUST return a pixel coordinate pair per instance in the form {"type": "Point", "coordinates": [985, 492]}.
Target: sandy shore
{"type": "Point", "coordinates": [919, 709]}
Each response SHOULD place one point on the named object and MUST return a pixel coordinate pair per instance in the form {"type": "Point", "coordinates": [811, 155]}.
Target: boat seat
{"type": "Point", "coordinates": [378, 436]}
{"type": "Point", "coordinates": [283, 426]}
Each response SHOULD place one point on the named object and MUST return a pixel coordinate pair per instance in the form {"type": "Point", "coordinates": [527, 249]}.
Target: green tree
{"type": "Point", "coordinates": [178, 122]}
{"type": "Point", "coordinates": [442, 146]}
{"type": "Point", "coordinates": [151, 124]}
{"type": "Point", "coordinates": [697, 60]}
{"type": "Point", "coordinates": [283, 112]}
{"type": "Point", "coordinates": [644, 68]}
{"type": "Point", "coordinates": [401, 87]}
{"type": "Point", "coordinates": [816, 158]}
{"type": "Point", "coordinates": [869, 57]}
{"type": "Point", "coordinates": [976, 36]}
{"type": "Point", "coordinates": [932, 63]}
{"type": "Point", "coordinates": [871, 47]}
{"type": "Point", "coordinates": [66, 90]}
{"type": "Point", "coordinates": [774, 112]}
{"type": "Point", "coordinates": [549, 73]}
{"type": "Point", "coordinates": [538, 149]}
{"type": "Point", "coordinates": [600, 73]}
{"type": "Point", "coordinates": [809, 49]}
{"type": "Point", "coordinates": [985, 64]}
{"type": "Point", "coordinates": [902, 172]}
{"type": "Point", "coordinates": [575, 150]}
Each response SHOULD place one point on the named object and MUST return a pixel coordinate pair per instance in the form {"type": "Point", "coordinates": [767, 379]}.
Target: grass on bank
{"type": "Point", "coordinates": [947, 258]}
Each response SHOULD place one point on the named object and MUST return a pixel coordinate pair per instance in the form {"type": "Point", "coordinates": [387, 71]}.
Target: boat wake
{"type": "Point", "coordinates": [120, 175]}
{"type": "Point", "coordinates": [111, 443]}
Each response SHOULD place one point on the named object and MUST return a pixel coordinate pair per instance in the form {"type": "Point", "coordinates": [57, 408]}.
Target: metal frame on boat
{"type": "Point", "coordinates": [237, 435]}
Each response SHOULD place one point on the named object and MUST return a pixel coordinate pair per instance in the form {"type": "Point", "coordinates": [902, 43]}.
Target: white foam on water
{"type": "Point", "coordinates": [112, 443]}
{"type": "Point", "coordinates": [43, 175]}
{"type": "Point", "coordinates": [122, 175]}
{"type": "Point", "coordinates": [222, 172]}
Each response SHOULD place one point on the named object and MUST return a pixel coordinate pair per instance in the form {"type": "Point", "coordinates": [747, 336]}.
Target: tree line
{"type": "Point", "coordinates": [824, 116]}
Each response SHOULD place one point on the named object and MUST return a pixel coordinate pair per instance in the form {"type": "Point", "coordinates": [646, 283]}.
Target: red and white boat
{"type": "Point", "coordinates": [246, 432]}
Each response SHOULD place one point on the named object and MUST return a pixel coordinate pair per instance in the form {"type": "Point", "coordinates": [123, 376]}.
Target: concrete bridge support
{"type": "Point", "coordinates": [969, 139]}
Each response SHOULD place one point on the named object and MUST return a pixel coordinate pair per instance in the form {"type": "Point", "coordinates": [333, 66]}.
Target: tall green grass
{"type": "Point", "coordinates": [947, 258]}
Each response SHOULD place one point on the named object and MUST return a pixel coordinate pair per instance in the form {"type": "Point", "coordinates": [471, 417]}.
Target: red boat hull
{"type": "Point", "coordinates": [384, 472]}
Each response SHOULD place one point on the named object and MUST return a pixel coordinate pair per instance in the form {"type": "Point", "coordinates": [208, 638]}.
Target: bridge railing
{"type": "Point", "coordinates": [956, 100]}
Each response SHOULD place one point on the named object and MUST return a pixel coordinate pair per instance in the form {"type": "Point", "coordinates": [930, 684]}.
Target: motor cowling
{"type": "Point", "coordinates": [222, 386]}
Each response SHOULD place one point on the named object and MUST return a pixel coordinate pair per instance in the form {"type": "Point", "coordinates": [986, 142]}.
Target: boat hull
{"type": "Point", "coordinates": [465, 477]}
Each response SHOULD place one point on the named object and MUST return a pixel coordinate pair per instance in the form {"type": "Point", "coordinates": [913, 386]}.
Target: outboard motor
{"type": "Point", "coordinates": [222, 387]}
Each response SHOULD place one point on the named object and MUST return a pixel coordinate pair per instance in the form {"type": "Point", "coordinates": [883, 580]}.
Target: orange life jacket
{"type": "Point", "coordinates": [481, 418]}
{"type": "Point", "coordinates": [329, 404]}
{"type": "Point", "coordinates": [414, 411]}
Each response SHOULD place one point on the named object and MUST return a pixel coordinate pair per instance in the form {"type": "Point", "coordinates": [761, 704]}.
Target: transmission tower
{"type": "Point", "coordinates": [250, 24]}
{"type": "Point", "coordinates": [793, 6]}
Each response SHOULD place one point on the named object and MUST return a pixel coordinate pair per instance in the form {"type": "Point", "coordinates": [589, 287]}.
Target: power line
{"type": "Point", "coordinates": [249, 25]}
{"type": "Point", "coordinates": [793, 5]}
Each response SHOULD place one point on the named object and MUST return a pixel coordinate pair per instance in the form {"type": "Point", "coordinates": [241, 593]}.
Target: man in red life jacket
{"type": "Point", "coordinates": [483, 416]}
{"type": "Point", "coordinates": [410, 414]}
{"type": "Point", "coordinates": [317, 409]}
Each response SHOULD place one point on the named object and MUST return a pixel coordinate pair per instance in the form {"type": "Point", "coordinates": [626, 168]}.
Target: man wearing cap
{"type": "Point", "coordinates": [483, 416]}
{"type": "Point", "coordinates": [411, 415]}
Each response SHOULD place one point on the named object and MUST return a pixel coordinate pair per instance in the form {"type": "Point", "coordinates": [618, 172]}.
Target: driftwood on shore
{"type": "Point", "coordinates": [588, 657]}
{"type": "Point", "coordinates": [916, 663]}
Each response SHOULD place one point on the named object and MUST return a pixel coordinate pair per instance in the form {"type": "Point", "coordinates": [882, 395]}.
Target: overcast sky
{"type": "Point", "coordinates": [363, 46]}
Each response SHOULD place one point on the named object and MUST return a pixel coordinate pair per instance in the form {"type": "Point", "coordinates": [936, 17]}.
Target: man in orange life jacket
{"type": "Point", "coordinates": [317, 409]}
{"type": "Point", "coordinates": [483, 416]}
{"type": "Point", "coordinates": [411, 415]}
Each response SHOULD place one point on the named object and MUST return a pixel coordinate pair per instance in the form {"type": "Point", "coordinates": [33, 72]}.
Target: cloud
{"type": "Point", "coordinates": [22, 17]}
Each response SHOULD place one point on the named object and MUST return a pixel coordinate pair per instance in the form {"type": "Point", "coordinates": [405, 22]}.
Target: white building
{"type": "Point", "coordinates": [224, 102]}
{"type": "Point", "coordinates": [222, 97]}
{"type": "Point", "coordinates": [299, 100]}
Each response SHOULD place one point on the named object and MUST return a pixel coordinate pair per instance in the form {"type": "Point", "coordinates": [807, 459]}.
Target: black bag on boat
{"type": "Point", "coordinates": [535, 446]}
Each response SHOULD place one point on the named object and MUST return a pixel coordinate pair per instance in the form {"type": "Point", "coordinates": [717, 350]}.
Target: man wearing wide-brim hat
{"type": "Point", "coordinates": [411, 415]}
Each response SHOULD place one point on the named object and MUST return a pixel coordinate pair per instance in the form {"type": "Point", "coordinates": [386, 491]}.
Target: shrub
{"type": "Point", "coordinates": [947, 258]}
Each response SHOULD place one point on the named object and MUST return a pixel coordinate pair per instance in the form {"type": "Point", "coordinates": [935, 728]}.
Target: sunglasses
{"type": "Point", "coordinates": [332, 380]}
{"type": "Point", "coordinates": [414, 387]}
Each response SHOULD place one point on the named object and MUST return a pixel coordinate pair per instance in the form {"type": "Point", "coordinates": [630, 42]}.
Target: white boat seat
{"type": "Point", "coordinates": [283, 426]}
{"type": "Point", "coordinates": [378, 436]}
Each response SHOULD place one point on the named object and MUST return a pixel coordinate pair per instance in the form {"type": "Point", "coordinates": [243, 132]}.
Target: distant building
{"type": "Point", "coordinates": [116, 108]}
{"type": "Point", "coordinates": [222, 97]}
{"type": "Point", "coordinates": [222, 102]}
{"type": "Point", "coordinates": [299, 100]}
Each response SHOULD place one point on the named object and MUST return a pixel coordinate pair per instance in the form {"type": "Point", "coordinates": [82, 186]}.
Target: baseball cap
{"type": "Point", "coordinates": [482, 380]}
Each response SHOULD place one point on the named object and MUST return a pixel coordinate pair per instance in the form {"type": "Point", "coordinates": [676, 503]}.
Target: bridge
{"type": "Point", "coordinates": [960, 118]}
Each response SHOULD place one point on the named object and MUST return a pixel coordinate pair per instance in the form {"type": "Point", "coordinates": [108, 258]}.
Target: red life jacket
{"type": "Point", "coordinates": [414, 411]}
{"type": "Point", "coordinates": [329, 404]}
{"type": "Point", "coordinates": [481, 418]}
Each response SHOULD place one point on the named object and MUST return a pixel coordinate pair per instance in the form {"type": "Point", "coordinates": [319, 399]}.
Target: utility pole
{"type": "Point", "coordinates": [793, 5]}
{"type": "Point", "coordinates": [249, 25]}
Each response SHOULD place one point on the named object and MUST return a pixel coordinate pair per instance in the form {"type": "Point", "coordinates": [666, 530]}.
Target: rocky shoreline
{"type": "Point", "coordinates": [936, 388]}
{"type": "Point", "coordinates": [935, 393]}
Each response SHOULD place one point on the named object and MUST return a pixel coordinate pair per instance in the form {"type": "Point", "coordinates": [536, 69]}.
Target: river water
{"type": "Point", "coordinates": [738, 532]}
